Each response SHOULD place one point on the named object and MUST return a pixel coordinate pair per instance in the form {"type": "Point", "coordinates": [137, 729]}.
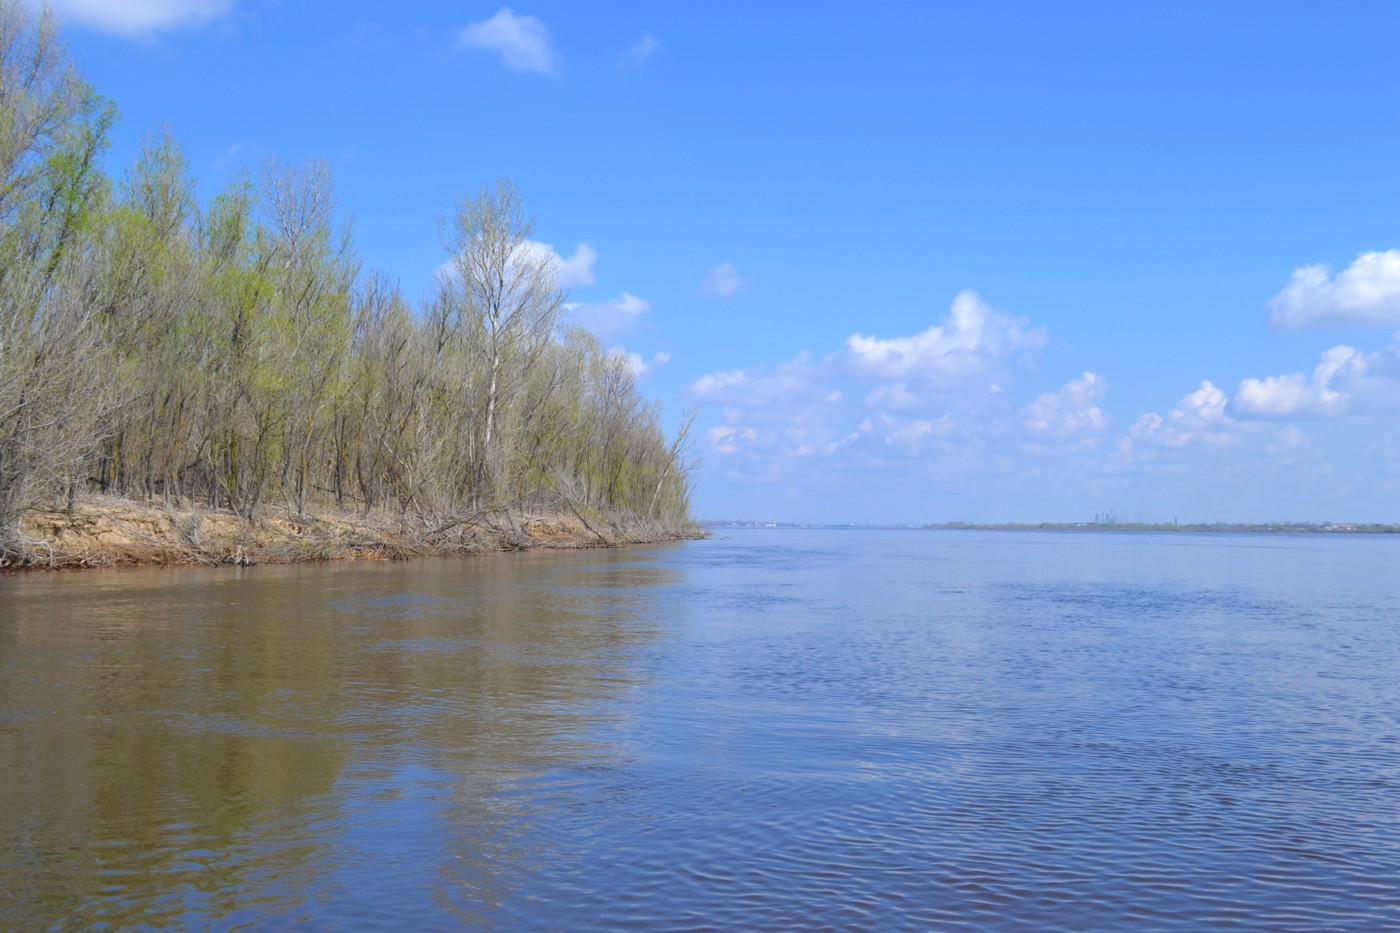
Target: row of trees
{"type": "Point", "coordinates": [234, 354]}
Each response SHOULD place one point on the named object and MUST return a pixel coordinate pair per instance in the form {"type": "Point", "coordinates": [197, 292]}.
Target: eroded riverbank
{"type": "Point", "coordinates": [112, 532]}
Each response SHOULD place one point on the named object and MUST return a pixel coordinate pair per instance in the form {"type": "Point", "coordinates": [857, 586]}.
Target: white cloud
{"type": "Point", "coordinates": [611, 317]}
{"type": "Point", "coordinates": [1203, 408]}
{"type": "Point", "coordinates": [752, 387]}
{"type": "Point", "coordinates": [712, 384]}
{"type": "Point", "coordinates": [722, 281]}
{"type": "Point", "coordinates": [728, 438]}
{"type": "Point", "coordinates": [939, 399]}
{"type": "Point", "coordinates": [640, 51]}
{"type": "Point", "coordinates": [523, 42]}
{"type": "Point", "coordinates": [971, 341]}
{"type": "Point", "coordinates": [948, 377]}
{"type": "Point", "coordinates": [1200, 417]}
{"type": "Point", "coordinates": [132, 18]}
{"type": "Point", "coordinates": [908, 435]}
{"type": "Point", "coordinates": [1069, 411]}
{"type": "Point", "coordinates": [639, 365]}
{"type": "Point", "coordinates": [578, 268]}
{"type": "Point", "coordinates": [574, 271]}
{"type": "Point", "coordinates": [1295, 394]}
{"type": "Point", "coordinates": [1344, 381]}
{"type": "Point", "coordinates": [787, 412]}
{"type": "Point", "coordinates": [1366, 293]}
{"type": "Point", "coordinates": [896, 397]}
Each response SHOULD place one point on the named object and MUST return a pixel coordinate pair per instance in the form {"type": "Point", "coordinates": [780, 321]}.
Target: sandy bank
{"type": "Point", "coordinates": [110, 532]}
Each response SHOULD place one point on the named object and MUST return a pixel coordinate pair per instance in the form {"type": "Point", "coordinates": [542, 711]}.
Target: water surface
{"type": "Point", "coordinates": [769, 730]}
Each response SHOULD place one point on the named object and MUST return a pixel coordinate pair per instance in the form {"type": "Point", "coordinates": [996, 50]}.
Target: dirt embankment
{"type": "Point", "coordinates": [107, 532]}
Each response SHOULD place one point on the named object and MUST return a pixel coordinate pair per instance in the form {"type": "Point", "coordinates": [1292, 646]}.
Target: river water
{"type": "Point", "coordinates": [768, 730]}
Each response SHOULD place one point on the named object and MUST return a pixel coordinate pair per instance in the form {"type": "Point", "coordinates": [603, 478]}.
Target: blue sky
{"type": "Point", "coordinates": [913, 262]}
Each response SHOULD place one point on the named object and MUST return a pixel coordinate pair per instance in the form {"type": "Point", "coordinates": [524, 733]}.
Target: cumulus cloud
{"type": "Point", "coordinates": [968, 354]}
{"type": "Point", "coordinates": [1365, 293]}
{"type": "Point", "coordinates": [133, 18]}
{"type": "Point", "coordinates": [569, 272]}
{"type": "Point", "coordinates": [608, 318]}
{"type": "Point", "coordinates": [574, 271]}
{"type": "Point", "coordinates": [772, 415]}
{"type": "Point", "coordinates": [722, 281]}
{"type": "Point", "coordinates": [578, 268]}
{"type": "Point", "coordinates": [523, 42]}
{"type": "Point", "coordinates": [970, 341]}
{"type": "Point", "coordinates": [935, 393]}
{"type": "Point", "coordinates": [1199, 417]}
{"type": "Point", "coordinates": [1345, 381]}
{"type": "Point", "coordinates": [640, 52]}
{"type": "Point", "coordinates": [1070, 411]}
{"type": "Point", "coordinates": [1203, 408]}
{"type": "Point", "coordinates": [1295, 394]}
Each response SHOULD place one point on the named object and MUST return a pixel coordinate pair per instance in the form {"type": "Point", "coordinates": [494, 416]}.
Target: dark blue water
{"type": "Point", "coordinates": [769, 730]}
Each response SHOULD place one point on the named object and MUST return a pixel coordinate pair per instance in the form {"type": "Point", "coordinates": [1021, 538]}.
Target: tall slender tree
{"type": "Point", "coordinates": [504, 296]}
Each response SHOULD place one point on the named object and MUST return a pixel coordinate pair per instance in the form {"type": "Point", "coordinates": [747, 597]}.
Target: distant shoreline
{"type": "Point", "coordinates": [1288, 528]}
{"type": "Point", "coordinates": [1291, 528]}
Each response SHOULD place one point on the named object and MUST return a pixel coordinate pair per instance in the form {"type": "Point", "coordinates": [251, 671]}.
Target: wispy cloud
{"type": "Point", "coordinates": [640, 52]}
{"type": "Point", "coordinates": [640, 365]}
{"type": "Point", "coordinates": [722, 281]}
{"type": "Point", "coordinates": [727, 438]}
{"type": "Point", "coordinates": [138, 18]}
{"type": "Point", "coordinates": [523, 42]}
{"type": "Point", "coordinates": [757, 386]}
{"type": "Point", "coordinates": [609, 318]}
{"type": "Point", "coordinates": [1365, 293]}
{"type": "Point", "coordinates": [228, 157]}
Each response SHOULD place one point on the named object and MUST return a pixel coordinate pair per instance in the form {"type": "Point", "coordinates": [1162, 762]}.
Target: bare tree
{"type": "Point", "coordinates": [677, 467]}
{"type": "Point", "coordinates": [53, 129]}
{"type": "Point", "coordinates": [314, 274]}
{"type": "Point", "coordinates": [232, 352]}
{"type": "Point", "coordinates": [504, 293]}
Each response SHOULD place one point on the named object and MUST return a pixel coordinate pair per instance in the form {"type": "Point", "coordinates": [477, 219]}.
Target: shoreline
{"type": "Point", "coordinates": [1284, 528]}
{"type": "Point", "coordinates": [1279, 528]}
{"type": "Point", "coordinates": [112, 532]}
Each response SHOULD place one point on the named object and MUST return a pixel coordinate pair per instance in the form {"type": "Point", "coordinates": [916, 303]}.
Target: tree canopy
{"type": "Point", "coordinates": [234, 354]}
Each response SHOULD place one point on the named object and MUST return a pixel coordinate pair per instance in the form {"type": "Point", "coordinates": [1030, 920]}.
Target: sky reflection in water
{"type": "Point", "coordinates": [767, 730]}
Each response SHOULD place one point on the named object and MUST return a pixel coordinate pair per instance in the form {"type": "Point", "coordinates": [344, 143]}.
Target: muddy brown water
{"type": "Point", "coordinates": [768, 730]}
